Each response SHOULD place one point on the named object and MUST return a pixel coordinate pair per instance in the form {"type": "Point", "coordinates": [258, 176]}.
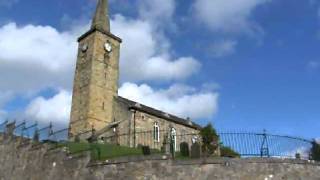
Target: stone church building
{"type": "Point", "coordinates": [97, 109]}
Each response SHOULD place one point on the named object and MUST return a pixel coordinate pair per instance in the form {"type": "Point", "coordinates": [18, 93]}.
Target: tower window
{"type": "Point", "coordinates": [103, 105]}
{"type": "Point", "coordinates": [156, 132]}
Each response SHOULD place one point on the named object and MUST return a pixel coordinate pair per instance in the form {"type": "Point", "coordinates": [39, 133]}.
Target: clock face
{"type": "Point", "coordinates": [84, 48]}
{"type": "Point", "coordinates": [108, 47]}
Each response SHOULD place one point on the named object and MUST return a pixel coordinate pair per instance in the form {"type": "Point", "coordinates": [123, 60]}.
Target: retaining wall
{"type": "Point", "coordinates": [29, 162]}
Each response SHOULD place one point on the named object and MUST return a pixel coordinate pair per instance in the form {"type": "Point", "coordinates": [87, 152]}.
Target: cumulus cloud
{"type": "Point", "coordinates": [180, 100]}
{"type": "Point", "coordinates": [157, 11]}
{"type": "Point", "coordinates": [55, 109]}
{"type": "Point", "coordinates": [35, 57]}
{"type": "Point", "coordinates": [4, 97]}
{"type": "Point", "coordinates": [222, 48]}
{"type": "Point", "coordinates": [38, 57]}
{"type": "Point", "coordinates": [3, 114]}
{"type": "Point", "coordinates": [231, 16]}
{"type": "Point", "coordinates": [42, 45]}
{"type": "Point", "coordinates": [143, 56]}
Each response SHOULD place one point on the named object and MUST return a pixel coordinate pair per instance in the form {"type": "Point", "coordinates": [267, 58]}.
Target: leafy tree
{"type": "Point", "coordinates": [210, 140]}
{"type": "Point", "coordinates": [315, 151]}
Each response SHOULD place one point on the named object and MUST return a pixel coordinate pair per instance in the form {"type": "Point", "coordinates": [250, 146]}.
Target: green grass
{"type": "Point", "coordinates": [105, 151]}
{"type": "Point", "coordinates": [179, 156]}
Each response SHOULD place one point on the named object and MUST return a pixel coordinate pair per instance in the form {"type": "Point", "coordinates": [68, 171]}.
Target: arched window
{"type": "Point", "coordinates": [174, 138]}
{"type": "Point", "coordinates": [156, 132]}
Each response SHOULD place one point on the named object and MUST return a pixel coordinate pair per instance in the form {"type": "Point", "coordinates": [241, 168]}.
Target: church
{"type": "Point", "coordinates": [97, 109]}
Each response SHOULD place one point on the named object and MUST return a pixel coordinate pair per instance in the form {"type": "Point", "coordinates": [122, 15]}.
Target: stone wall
{"type": "Point", "coordinates": [146, 121]}
{"type": "Point", "coordinates": [27, 162]}
{"type": "Point", "coordinates": [136, 128]}
{"type": "Point", "coordinates": [95, 82]}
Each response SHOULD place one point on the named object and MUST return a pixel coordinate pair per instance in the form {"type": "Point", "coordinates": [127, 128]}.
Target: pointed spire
{"type": "Point", "coordinates": [101, 17]}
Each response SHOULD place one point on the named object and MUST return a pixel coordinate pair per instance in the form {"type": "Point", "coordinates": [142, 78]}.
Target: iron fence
{"type": "Point", "coordinates": [266, 145]}
{"type": "Point", "coordinates": [245, 144]}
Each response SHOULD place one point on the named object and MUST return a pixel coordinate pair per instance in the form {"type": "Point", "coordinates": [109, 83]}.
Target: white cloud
{"type": "Point", "coordinates": [157, 11]}
{"type": "Point", "coordinates": [42, 45]}
{"type": "Point", "coordinates": [3, 114]}
{"type": "Point", "coordinates": [38, 57]}
{"type": "Point", "coordinates": [222, 48]}
{"type": "Point", "coordinates": [55, 109]}
{"type": "Point", "coordinates": [143, 56]}
{"type": "Point", "coordinates": [5, 96]}
{"type": "Point", "coordinates": [231, 16]}
{"type": "Point", "coordinates": [180, 100]}
{"type": "Point", "coordinates": [35, 57]}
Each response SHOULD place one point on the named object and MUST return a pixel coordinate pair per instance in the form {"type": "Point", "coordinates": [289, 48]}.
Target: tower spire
{"type": "Point", "coordinates": [101, 18]}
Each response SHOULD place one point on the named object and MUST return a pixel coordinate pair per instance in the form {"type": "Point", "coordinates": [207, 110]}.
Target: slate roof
{"type": "Point", "coordinates": [158, 113]}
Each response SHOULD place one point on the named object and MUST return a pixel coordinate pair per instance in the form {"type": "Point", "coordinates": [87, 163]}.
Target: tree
{"type": "Point", "coordinates": [210, 140]}
{"type": "Point", "coordinates": [315, 151]}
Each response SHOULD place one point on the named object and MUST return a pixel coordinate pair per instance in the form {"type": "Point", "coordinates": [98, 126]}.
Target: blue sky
{"type": "Point", "coordinates": [244, 65]}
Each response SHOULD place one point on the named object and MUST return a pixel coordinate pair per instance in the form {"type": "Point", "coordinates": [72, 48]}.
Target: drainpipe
{"type": "Point", "coordinates": [134, 127]}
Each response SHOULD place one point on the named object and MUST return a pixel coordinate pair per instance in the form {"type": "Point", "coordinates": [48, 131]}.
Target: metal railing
{"type": "Point", "coordinates": [266, 145]}
{"type": "Point", "coordinates": [245, 144]}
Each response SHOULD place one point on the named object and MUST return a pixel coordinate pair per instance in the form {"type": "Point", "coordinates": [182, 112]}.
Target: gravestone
{"type": "Point", "coordinates": [184, 149]}
{"type": "Point", "coordinates": [10, 128]}
{"type": "Point", "coordinates": [195, 150]}
{"type": "Point", "coordinates": [166, 144]}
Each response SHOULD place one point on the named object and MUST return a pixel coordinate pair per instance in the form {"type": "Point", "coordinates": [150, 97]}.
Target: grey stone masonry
{"type": "Point", "coordinates": [30, 162]}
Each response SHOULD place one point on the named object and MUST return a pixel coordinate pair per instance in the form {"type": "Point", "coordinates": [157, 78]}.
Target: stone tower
{"type": "Point", "coordinates": [96, 76]}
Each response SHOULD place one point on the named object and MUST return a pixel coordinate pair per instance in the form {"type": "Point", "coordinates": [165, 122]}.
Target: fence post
{"type": "Point", "coordinates": [264, 146]}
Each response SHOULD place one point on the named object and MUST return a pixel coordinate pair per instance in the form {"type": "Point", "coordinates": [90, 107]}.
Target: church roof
{"type": "Point", "coordinates": [158, 113]}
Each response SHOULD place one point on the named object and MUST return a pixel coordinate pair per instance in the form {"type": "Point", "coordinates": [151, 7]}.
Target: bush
{"type": "Point", "coordinates": [315, 151]}
{"type": "Point", "coordinates": [228, 152]}
{"type": "Point", "coordinates": [184, 149]}
{"type": "Point", "coordinates": [146, 150]}
{"type": "Point", "coordinates": [210, 140]}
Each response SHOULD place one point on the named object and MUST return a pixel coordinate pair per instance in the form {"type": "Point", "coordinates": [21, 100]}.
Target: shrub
{"type": "Point", "coordinates": [315, 151]}
{"type": "Point", "coordinates": [210, 140]}
{"type": "Point", "coordinates": [146, 150]}
{"type": "Point", "coordinates": [184, 149]}
{"type": "Point", "coordinates": [228, 152]}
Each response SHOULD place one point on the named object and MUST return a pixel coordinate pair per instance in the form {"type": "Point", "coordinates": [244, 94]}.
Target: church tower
{"type": "Point", "coordinates": [96, 75]}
